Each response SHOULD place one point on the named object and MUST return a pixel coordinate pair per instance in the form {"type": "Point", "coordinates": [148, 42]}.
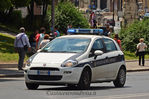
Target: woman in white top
{"type": "Point", "coordinates": [141, 51]}
{"type": "Point", "coordinates": [44, 41]}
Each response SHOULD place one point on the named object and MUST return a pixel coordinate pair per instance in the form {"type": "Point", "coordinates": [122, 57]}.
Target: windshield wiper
{"type": "Point", "coordinates": [44, 51]}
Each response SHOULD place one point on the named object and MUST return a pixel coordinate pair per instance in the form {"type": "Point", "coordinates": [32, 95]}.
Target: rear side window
{"type": "Point", "coordinates": [110, 45]}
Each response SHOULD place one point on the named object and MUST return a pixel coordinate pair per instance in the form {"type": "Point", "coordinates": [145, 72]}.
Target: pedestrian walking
{"type": "Point", "coordinates": [44, 41]}
{"type": "Point", "coordinates": [57, 33]}
{"type": "Point", "coordinates": [40, 37]}
{"type": "Point", "coordinates": [94, 23]}
{"type": "Point", "coordinates": [116, 38]}
{"type": "Point", "coordinates": [141, 51]}
{"type": "Point", "coordinates": [92, 18]}
{"type": "Point", "coordinates": [32, 38]}
{"type": "Point", "coordinates": [21, 45]}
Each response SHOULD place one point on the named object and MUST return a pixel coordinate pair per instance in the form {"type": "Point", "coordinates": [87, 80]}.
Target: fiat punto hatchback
{"type": "Point", "coordinates": [76, 60]}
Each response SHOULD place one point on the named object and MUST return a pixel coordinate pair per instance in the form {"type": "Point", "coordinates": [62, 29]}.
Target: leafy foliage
{"type": "Point", "coordinates": [6, 43]}
{"type": "Point", "coordinates": [5, 4]}
{"type": "Point", "coordinates": [20, 3]}
{"type": "Point", "coordinates": [130, 36]}
{"type": "Point", "coordinates": [66, 14]}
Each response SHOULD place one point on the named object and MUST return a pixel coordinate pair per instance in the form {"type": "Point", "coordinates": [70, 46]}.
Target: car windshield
{"type": "Point", "coordinates": [67, 45]}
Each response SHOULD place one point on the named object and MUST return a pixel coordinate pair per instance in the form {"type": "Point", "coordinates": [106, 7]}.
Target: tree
{"type": "Point", "coordinates": [65, 14]}
{"type": "Point", "coordinates": [5, 4]}
{"type": "Point", "coordinates": [44, 4]}
{"type": "Point", "coordinates": [130, 36]}
{"type": "Point", "coordinates": [20, 3]}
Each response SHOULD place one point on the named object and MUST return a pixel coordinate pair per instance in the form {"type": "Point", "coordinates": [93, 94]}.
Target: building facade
{"type": "Point", "coordinates": [130, 11]}
{"type": "Point", "coordinates": [143, 5]}
{"type": "Point", "coordinates": [101, 4]}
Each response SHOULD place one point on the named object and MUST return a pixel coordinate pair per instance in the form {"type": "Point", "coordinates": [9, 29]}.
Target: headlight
{"type": "Point", "coordinates": [28, 62]}
{"type": "Point", "coordinates": [69, 63]}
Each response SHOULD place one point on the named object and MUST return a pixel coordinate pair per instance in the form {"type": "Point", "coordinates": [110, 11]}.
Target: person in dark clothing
{"type": "Point", "coordinates": [32, 38]}
{"type": "Point", "coordinates": [94, 23]}
{"type": "Point", "coordinates": [107, 30]}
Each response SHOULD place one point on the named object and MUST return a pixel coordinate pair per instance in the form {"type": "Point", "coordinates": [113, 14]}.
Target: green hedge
{"type": "Point", "coordinates": [130, 36]}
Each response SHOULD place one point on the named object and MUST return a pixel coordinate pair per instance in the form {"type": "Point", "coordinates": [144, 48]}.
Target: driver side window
{"type": "Point", "coordinates": [98, 45]}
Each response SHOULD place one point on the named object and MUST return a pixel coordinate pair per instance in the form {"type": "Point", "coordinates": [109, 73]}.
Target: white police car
{"type": "Point", "coordinates": [77, 60]}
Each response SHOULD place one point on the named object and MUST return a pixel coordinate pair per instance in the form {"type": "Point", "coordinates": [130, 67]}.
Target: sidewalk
{"type": "Point", "coordinates": [10, 70]}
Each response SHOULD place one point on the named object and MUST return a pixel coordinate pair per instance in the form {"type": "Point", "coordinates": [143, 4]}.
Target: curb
{"type": "Point", "coordinates": [8, 65]}
{"type": "Point", "coordinates": [133, 60]}
{"type": "Point", "coordinates": [5, 72]}
{"type": "Point", "coordinates": [138, 70]}
{"type": "Point", "coordinates": [14, 75]}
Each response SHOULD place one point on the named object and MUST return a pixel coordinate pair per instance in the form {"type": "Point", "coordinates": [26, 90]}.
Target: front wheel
{"type": "Point", "coordinates": [85, 80]}
{"type": "Point", "coordinates": [32, 86]}
{"type": "Point", "coordinates": [121, 78]}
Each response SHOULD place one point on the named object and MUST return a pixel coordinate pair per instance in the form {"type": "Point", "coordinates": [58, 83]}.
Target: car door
{"type": "Point", "coordinates": [98, 70]}
{"type": "Point", "coordinates": [112, 57]}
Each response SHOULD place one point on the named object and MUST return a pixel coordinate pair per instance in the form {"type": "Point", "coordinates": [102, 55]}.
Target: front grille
{"type": "Point", "coordinates": [44, 68]}
{"type": "Point", "coordinates": [45, 77]}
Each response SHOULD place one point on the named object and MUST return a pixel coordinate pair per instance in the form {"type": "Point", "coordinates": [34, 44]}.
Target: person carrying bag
{"type": "Point", "coordinates": [141, 51]}
{"type": "Point", "coordinates": [21, 45]}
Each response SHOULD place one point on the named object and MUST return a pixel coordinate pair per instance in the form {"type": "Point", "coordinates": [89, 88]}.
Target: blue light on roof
{"type": "Point", "coordinates": [85, 31]}
{"type": "Point", "coordinates": [71, 30]}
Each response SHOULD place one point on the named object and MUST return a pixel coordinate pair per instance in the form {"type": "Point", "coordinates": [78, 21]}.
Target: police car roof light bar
{"type": "Point", "coordinates": [85, 31]}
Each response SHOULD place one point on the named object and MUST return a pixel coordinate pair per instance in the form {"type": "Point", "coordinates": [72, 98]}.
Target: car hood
{"type": "Point", "coordinates": [51, 59]}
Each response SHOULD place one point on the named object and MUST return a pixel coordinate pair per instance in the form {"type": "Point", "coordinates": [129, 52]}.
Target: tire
{"type": "Point", "coordinates": [121, 78]}
{"type": "Point", "coordinates": [32, 86]}
{"type": "Point", "coordinates": [85, 80]}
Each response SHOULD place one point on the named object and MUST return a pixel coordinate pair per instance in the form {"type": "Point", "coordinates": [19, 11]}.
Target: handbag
{"type": "Point", "coordinates": [137, 52]}
{"type": "Point", "coordinates": [25, 47]}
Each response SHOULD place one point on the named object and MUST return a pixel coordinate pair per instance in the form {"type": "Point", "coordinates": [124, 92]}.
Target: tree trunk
{"type": "Point", "coordinates": [31, 14]}
{"type": "Point", "coordinates": [44, 12]}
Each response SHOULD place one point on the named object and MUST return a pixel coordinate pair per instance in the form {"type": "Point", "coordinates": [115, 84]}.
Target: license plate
{"type": "Point", "coordinates": [43, 72]}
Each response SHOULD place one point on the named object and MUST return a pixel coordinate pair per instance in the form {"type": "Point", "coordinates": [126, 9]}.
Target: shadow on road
{"type": "Point", "coordinates": [9, 79]}
{"type": "Point", "coordinates": [92, 88]}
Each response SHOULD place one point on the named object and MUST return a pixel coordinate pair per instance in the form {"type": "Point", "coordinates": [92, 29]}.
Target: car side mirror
{"type": "Point", "coordinates": [97, 53]}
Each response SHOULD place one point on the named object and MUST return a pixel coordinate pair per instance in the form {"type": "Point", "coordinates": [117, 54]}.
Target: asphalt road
{"type": "Point", "coordinates": [136, 88]}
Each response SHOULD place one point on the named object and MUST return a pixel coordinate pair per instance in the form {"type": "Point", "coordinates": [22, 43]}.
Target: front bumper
{"type": "Point", "coordinates": [63, 75]}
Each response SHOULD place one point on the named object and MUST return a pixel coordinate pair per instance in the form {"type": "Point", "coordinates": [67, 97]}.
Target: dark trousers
{"type": "Point", "coordinates": [141, 57]}
{"type": "Point", "coordinates": [21, 53]}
